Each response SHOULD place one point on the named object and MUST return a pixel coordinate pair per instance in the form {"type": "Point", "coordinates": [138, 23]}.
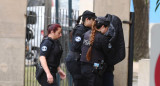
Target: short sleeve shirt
{"type": "Point", "coordinates": [45, 47]}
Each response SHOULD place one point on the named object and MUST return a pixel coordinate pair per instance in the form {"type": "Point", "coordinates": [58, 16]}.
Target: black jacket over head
{"type": "Point", "coordinates": [116, 45]}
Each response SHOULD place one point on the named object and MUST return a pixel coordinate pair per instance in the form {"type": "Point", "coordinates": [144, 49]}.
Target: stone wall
{"type": "Point", "coordinates": [12, 42]}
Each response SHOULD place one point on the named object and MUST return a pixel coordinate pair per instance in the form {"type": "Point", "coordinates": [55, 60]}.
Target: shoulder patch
{"type": "Point", "coordinates": [44, 48]}
{"type": "Point", "coordinates": [78, 39]}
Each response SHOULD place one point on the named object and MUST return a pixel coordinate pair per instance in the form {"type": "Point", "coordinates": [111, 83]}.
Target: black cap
{"type": "Point", "coordinates": [103, 20]}
{"type": "Point", "coordinates": [89, 14]}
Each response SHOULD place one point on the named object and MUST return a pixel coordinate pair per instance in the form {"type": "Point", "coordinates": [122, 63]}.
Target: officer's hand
{"type": "Point", "coordinates": [50, 78]}
{"type": "Point", "coordinates": [62, 74]}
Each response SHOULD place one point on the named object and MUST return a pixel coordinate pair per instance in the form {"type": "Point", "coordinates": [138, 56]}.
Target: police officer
{"type": "Point", "coordinates": [50, 54]}
{"type": "Point", "coordinates": [93, 52]}
{"type": "Point", "coordinates": [72, 59]}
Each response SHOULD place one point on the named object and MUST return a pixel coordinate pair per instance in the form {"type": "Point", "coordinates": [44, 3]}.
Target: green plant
{"type": "Point", "coordinates": [157, 5]}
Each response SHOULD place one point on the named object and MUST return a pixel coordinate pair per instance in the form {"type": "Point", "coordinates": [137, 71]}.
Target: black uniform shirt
{"type": "Point", "coordinates": [99, 47]}
{"type": "Point", "coordinates": [77, 37]}
{"type": "Point", "coordinates": [52, 50]}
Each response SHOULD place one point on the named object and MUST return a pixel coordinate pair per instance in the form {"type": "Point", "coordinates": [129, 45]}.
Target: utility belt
{"type": "Point", "coordinates": [52, 69]}
{"type": "Point", "coordinates": [99, 68]}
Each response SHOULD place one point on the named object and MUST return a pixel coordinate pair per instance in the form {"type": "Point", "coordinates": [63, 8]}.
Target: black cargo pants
{"type": "Point", "coordinates": [74, 67]}
{"type": "Point", "coordinates": [91, 79]}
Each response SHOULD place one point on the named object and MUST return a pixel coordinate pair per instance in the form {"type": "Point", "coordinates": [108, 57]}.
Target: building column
{"type": "Point", "coordinates": [12, 42]}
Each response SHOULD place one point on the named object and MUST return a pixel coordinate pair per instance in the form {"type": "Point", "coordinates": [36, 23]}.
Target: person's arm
{"type": "Point", "coordinates": [77, 39]}
{"type": "Point", "coordinates": [45, 49]}
{"type": "Point", "coordinates": [61, 73]}
{"type": "Point", "coordinates": [46, 69]}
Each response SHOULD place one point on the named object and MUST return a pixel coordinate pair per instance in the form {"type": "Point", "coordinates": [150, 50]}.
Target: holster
{"type": "Point", "coordinates": [39, 70]}
{"type": "Point", "coordinates": [101, 71]}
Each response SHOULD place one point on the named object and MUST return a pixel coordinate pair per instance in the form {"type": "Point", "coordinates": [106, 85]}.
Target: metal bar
{"type": "Point", "coordinates": [30, 51]}
{"type": "Point", "coordinates": [63, 17]}
{"type": "Point", "coordinates": [57, 7]}
{"type": "Point", "coordinates": [59, 16]}
{"type": "Point", "coordinates": [31, 69]}
{"type": "Point", "coordinates": [131, 49]}
{"type": "Point", "coordinates": [36, 29]}
{"type": "Point", "coordinates": [70, 12]}
{"type": "Point", "coordinates": [47, 14]}
{"type": "Point", "coordinates": [66, 18]}
{"type": "Point", "coordinates": [26, 71]}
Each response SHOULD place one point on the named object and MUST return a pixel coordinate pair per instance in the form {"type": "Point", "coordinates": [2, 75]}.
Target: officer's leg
{"type": "Point", "coordinates": [108, 79]}
{"type": "Point", "coordinates": [75, 70]}
{"type": "Point", "coordinates": [98, 81]}
{"type": "Point", "coordinates": [77, 76]}
{"type": "Point", "coordinates": [78, 82]}
{"type": "Point", "coordinates": [87, 74]}
{"type": "Point", "coordinates": [91, 79]}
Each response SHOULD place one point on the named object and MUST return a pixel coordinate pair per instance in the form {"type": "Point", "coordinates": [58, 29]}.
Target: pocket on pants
{"type": "Point", "coordinates": [86, 69]}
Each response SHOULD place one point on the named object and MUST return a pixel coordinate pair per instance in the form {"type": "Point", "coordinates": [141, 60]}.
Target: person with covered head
{"type": "Point", "coordinates": [72, 59]}
{"type": "Point", "coordinates": [116, 52]}
{"type": "Point", "coordinates": [94, 56]}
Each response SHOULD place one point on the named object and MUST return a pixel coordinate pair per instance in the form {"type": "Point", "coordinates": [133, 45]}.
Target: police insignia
{"type": "Point", "coordinates": [44, 48]}
{"type": "Point", "coordinates": [78, 39]}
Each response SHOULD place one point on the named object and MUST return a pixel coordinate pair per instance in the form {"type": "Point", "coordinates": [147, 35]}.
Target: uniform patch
{"type": "Point", "coordinates": [78, 39]}
{"type": "Point", "coordinates": [44, 48]}
{"type": "Point", "coordinates": [86, 42]}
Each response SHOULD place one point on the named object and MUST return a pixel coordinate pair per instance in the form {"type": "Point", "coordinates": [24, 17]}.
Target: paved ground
{"type": "Point", "coordinates": [135, 73]}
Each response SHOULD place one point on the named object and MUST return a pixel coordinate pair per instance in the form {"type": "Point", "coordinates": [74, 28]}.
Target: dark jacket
{"type": "Point", "coordinates": [52, 50]}
{"type": "Point", "coordinates": [116, 51]}
{"type": "Point", "coordinates": [99, 47]}
{"type": "Point", "coordinates": [77, 37]}
{"type": "Point", "coordinates": [116, 39]}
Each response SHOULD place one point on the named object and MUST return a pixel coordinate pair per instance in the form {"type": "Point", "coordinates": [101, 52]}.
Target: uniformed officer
{"type": "Point", "coordinates": [72, 59]}
{"type": "Point", "coordinates": [93, 52]}
{"type": "Point", "coordinates": [50, 54]}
